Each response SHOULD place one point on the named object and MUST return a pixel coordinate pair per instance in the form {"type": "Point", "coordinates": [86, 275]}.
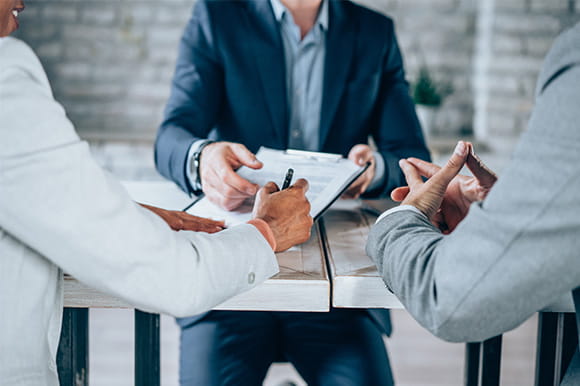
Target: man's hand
{"type": "Point", "coordinates": [360, 155]}
{"type": "Point", "coordinates": [428, 196]}
{"type": "Point", "coordinates": [181, 221]}
{"type": "Point", "coordinates": [219, 180]}
{"type": "Point", "coordinates": [287, 212]}
{"type": "Point", "coordinates": [461, 192]}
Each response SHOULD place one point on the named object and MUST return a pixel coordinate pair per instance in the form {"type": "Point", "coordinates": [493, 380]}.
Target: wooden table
{"type": "Point", "coordinates": [356, 283]}
{"type": "Point", "coordinates": [301, 285]}
{"type": "Point", "coordinates": [337, 246]}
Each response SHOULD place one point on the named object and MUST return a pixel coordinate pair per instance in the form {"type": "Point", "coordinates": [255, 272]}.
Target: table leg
{"type": "Point", "coordinates": [546, 348]}
{"type": "Point", "coordinates": [557, 341]}
{"type": "Point", "coordinates": [73, 350]}
{"type": "Point", "coordinates": [471, 370]}
{"type": "Point", "coordinates": [567, 345]}
{"type": "Point", "coordinates": [491, 361]}
{"type": "Point", "coordinates": [147, 361]}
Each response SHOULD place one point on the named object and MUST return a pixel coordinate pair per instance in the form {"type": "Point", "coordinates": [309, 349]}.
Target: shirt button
{"type": "Point", "coordinates": [295, 133]}
{"type": "Point", "coordinates": [251, 278]}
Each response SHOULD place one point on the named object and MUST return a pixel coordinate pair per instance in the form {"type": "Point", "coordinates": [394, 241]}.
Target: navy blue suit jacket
{"type": "Point", "coordinates": [230, 84]}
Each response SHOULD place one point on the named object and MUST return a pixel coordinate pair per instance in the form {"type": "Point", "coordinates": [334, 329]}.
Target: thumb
{"type": "Point", "coordinates": [444, 176]}
{"type": "Point", "coordinates": [400, 193]}
{"type": "Point", "coordinates": [360, 154]}
{"type": "Point", "coordinates": [245, 156]}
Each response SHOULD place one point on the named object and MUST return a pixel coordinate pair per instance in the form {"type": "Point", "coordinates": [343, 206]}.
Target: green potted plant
{"type": "Point", "coordinates": [428, 97]}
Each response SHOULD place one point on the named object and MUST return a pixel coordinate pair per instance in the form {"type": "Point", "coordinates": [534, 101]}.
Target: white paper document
{"type": "Point", "coordinates": [327, 174]}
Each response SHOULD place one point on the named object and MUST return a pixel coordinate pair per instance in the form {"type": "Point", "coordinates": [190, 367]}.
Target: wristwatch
{"type": "Point", "coordinates": [197, 188]}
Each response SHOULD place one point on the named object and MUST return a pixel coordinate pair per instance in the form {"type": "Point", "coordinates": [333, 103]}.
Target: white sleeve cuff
{"type": "Point", "coordinates": [399, 208]}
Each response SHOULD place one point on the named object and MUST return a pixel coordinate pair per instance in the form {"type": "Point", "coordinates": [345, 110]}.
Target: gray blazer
{"type": "Point", "coordinates": [516, 252]}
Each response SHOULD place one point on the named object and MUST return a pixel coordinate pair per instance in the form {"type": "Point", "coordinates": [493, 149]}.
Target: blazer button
{"type": "Point", "coordinates": [251, 278]}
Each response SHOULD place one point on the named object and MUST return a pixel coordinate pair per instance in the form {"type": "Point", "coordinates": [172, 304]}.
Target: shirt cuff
{"type": "Point", "coordinates": [191, 169]}
{"type": "Point", "coordinates": [379, 176]}
{"type": "Point", "coordinates": [265, 230]}
{"type": "Point", "coordinates": [399, 208]}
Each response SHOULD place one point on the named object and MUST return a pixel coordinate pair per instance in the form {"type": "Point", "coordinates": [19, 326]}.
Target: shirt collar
{"type": "Point", "coordinates": [322, 20]}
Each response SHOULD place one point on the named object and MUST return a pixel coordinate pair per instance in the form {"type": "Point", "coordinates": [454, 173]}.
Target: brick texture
{"type": "Point", "coordinates": [111, 62]}
{"type": "Point", "coordinates": [522, 36]}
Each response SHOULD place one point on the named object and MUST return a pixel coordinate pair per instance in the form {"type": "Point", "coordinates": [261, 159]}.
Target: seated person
{"type": "Point", "coordinates": [60, 212]}
{"type": "Point", "coordinates": [316, 75]}
{"type": "Point", "coordinates": [509, 253]}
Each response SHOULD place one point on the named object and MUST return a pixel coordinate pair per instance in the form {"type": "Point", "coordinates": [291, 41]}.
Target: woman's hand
{"type": "Point", "coordinates": [181, 221]}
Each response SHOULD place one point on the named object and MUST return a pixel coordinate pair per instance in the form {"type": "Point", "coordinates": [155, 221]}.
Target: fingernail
{"type": "Point", "coordinates": [460, 148]}
{"type": "Point", "coordinates": [402, 162]}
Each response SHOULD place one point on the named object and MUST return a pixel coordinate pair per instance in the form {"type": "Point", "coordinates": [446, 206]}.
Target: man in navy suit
{"type": "Point", "coordinates": [320, 75]}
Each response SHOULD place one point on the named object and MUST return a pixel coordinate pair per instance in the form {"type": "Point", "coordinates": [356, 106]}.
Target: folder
{"type": "Point", "coordinates": [328, 175]}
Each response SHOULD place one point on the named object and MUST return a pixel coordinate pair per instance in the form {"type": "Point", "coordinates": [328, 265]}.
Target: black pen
{"type": "Point", "coordinates": [288, 179]}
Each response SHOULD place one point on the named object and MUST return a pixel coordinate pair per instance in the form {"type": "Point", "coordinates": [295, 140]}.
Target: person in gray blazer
{"type": "Point", "coordinates": [508, 255]}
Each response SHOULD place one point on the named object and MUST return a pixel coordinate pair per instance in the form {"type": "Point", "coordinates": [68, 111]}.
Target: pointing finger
{"type": "Point", "coordinates": [228, 177]}
{"type": "Point", "coordinates": [427, 169]}
{"type": "Point", "coordinates": [452, 167]}
{"type": "Point", "coordinates": [411, 173]}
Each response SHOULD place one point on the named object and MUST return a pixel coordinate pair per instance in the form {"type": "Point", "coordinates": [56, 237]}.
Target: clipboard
{"type": "Point", "coordinates": [329, 176]}
{"type": "Point", "coordinates": [341, 192]}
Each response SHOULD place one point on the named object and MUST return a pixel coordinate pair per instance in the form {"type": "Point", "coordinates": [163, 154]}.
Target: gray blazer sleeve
{"type": "Point", "coordinates": [516, 252]}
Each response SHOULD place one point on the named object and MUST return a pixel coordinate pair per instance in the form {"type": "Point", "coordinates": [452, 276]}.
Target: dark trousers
{"type": "Point", "coordinates": [342, 347]}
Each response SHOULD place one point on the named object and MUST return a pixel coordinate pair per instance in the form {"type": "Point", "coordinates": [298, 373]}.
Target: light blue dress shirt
{"type": "Point", "coordinates": [304, 60]}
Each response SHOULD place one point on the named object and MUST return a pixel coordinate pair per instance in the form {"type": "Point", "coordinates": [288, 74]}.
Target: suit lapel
{"type": "Point", "coordinates": [268, 53]}
{"type": "Point", "coordinates": [340, 42]}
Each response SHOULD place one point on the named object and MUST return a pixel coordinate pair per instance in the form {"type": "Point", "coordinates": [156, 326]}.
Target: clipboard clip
{"type": "Point", "coordinates": [314, 155]}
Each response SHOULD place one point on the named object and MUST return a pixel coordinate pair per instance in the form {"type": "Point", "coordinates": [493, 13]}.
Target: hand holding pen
{"type": "Point", "coordinates": [286, 211]}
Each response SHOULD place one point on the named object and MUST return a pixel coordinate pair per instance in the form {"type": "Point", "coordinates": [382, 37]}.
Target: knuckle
{"type": "Point", "coordinates": [306, 236]}
{"type": "Point", "coordinates": [229, 205]}
{"type": "Point", "coordinates": [228, 191]}
{"type": "Point", "coordinates": [223, 172]}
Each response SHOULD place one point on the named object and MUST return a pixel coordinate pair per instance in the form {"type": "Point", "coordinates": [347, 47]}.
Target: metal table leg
{"type": "Point", "coordinates": [491, 361]}
{"type": "Point", "coordinates": [73, 349]}
{"type": "Point", "coordinates": [567, 344]}
{"type": "Point", "coordinates": [147, 361]}
{"type": "Point", "coordinates": [557, 342]}
{"type": "Point", "coordinates": [471, 371]}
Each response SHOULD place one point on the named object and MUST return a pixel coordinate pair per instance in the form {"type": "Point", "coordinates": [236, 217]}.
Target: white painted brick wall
{"type": "Point", "coordinates": [111, 62]}
{"type": "Point", "coordinates": [523, 32]}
